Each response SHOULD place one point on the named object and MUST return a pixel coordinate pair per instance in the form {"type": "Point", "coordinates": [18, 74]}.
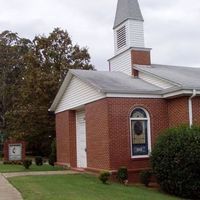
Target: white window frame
{"type": "Point", "coordinates": [148, 132]}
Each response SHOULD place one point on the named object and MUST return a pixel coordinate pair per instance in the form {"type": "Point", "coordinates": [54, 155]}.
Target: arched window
{"type": "Point", "coordinates": [140, 133]}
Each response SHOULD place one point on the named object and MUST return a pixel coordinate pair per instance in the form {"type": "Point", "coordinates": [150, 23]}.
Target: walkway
{"type": "Point", "coordinates": [8, 192]}
{"type": "Point", "coordinates": [15, 174]}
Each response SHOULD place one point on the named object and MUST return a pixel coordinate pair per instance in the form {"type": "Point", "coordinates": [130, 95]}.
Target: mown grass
{"type": "Point", "coordinates": [81, 187]}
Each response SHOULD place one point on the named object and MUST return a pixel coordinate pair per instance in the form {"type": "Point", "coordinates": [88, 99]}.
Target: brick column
{"type": "Point", "coordinates": [140, 57]}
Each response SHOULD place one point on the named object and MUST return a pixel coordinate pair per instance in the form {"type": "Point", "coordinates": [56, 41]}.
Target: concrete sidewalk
{"type": "Point", "coordinates": [45, 173]}
{"type": "Point", "coordinates": [7, 191]}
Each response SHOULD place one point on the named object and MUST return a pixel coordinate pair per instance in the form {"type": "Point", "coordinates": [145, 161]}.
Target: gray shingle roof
{"type": "Point", "coordinates": [116, 82]}
{"type": "Point", "coordinates": [185, 77]}
{"type": "Point", "coordinates": [127, 9]}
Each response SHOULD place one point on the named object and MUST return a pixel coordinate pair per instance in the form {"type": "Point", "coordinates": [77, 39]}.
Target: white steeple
{"type": "Point", "coordinates": [129, 38]}
{"type": "Point", "coordinates": [128, 26]}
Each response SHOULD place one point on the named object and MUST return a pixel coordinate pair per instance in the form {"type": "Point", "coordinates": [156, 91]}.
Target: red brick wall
{"type": "Point", "coordinates": [72, 136]}
{"type": "Point", "coordinates": [140, 58]}
{"type": "Point", "coordinates": [196, 110]}
{"type": "Point", "coordinates": [119, 128]}
{"type": "Point", "coordinates": [108, 130]}
{"type": "Point", "coordinates": [178, 111]}
{"type": "Point", "coordinates": [97, 135]}
{"type": "Point", "coordinates": [66, 138]}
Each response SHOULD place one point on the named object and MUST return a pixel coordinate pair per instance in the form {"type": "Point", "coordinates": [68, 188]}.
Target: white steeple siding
{"type": "Point", "coordinates": [128, 33]}
{"type": "Point", "coordinates": [134, 35]}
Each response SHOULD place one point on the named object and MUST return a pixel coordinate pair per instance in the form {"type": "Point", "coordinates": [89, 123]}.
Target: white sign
{"type": "Point", "coordinates": [15, 152]}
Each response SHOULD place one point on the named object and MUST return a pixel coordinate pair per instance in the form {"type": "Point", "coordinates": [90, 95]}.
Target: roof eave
{"type": "Point", "coordinates": [61, 92]}
{"type": "Point", "coordinates": [156, 76]}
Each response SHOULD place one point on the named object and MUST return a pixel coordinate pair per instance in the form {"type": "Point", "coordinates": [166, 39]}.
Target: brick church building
{"type": "Point", "coordinates": [105, 120]}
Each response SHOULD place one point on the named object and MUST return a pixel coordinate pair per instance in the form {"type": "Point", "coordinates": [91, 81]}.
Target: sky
{"type": "Point", "coordinates": [172, 27]}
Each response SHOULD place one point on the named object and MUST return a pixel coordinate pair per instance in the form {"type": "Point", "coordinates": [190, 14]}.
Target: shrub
{"type": "Point", "coordinates": [39, 160]}
{"type": "Point", "coordinates": [104, 176]}
{"type": "Point", "coordinates": [145, 177]}
{"type": "Point", "coordinates": [52, 156]}
{"type": "Point", "coordinates": [175, 161]}
{"type": "Point", "coordinates": [1, 155]}
{"type": "Point", "coordinates": [122, 174]}
{"type": "Point", "coordinates": [12, 162]}
{"type": "Point", "coordinates": [27, 163]}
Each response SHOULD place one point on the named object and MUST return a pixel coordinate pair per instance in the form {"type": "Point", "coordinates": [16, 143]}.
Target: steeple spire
{"type": "Point", "coordinates": [129, 44]}
{"type": "Point", "coordinates": [127, 9]}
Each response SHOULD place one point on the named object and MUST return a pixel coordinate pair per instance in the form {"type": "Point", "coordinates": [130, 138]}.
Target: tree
{"type": "Point", "coordinates": [12, 50]}
{"type": "Point", "coordinates": [47, 63]}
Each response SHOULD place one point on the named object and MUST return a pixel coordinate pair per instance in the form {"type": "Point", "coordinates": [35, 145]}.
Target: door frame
{"type": "Point", "coordinates": [77, 140]}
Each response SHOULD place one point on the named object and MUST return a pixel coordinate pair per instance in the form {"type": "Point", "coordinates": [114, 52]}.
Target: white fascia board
{"type": "Point", "coordinates": [153, 96]}
{"type": "Point", "coordinates": [178, 93]}
{"type": "Point", "coordinates": [149, 96]}
{"type": "Point", "coordinates": [61, 92]}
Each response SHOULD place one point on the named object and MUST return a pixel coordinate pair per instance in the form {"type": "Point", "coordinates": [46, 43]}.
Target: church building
{"type": "Point", "coordinates": [109, 119]}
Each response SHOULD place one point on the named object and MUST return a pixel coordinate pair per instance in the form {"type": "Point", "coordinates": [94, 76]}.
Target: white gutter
{"type": "Point", "coordinates": [190, 107]}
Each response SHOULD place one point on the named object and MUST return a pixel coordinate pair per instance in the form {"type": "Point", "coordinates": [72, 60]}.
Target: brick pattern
{"type": "Point", "coordinates": [178, 111]}
{"type": "Point", "coordinates": [140, 58]}
{"type": "Point", "coordinates": [98, 156]}
{"type": "Point", "coordinates": [108, 130]}
{"type": "Point", "coordinates": [196, 110]}
{"type": "Point", "coordinates": [119, 128]}
{"type": "Point", "coordinates": [72, 136]}
{"type": "Point", "coordinates": [66, 138]}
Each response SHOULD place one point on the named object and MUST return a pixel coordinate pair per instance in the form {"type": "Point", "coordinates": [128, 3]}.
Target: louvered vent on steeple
{"type": "Point", "coordinates": [128, 26]}
{"type": "Point", "coordinates": [129, 38]}
{"type": "Point", "coordinates": [121, 37]}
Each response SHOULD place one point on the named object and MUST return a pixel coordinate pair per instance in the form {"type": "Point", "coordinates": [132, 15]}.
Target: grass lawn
{"type": "Point", "coordinates": [80, 187]}
{"type": "Point", "coordinates": [20, 168]}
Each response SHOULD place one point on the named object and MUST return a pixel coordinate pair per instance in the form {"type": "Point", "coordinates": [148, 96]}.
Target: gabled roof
{"type": "Point", "coordinates": [184, 77]}
{"type": "Point", "coordinates": [127, 9]}
{"type": "Point", "coordinates": [107, 82]}
{"type": "Point", "coordinates": [181, 78]}
{"type": "Point", "coordinates": [115, 82]}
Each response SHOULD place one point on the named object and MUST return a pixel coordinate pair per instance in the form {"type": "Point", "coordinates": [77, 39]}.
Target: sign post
{"type": "Point", "coordinates": [14, 151]}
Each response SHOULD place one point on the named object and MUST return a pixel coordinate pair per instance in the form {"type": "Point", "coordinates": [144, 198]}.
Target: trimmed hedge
{"type": "Point", "coordinates": [145, 177]}
{"type": "Point", "coordinates": [104, 176]}
{"type": "Point", "coordinates": [122, 174]}
{"type": "Point", "coordinates": [39, 160]}
{"type": "Point", "coordinates": [27, 163]}
{"type": "Point", "coordinates": [176, 161]}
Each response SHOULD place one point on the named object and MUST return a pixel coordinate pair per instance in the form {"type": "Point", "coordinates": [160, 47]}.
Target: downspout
{"type": "Point", "coordinates": [190, 107]}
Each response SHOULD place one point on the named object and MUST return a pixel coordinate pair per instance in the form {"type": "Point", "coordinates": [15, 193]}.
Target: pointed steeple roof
{"type": "Point", "coordinates": [127, 9]}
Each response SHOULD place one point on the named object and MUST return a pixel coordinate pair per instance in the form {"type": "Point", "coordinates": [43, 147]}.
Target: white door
{"type": "Point", "coordinates": [81, 139]}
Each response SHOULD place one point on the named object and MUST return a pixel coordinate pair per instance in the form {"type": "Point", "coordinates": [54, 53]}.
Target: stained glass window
{"type": "Point", "coordinates": [139, 132]}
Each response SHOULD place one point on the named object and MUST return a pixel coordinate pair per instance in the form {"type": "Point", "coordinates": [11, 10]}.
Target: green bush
{"type": "Point", "coordinates": [145, 177]}
{"type": "Point", "coordinates": [176, 161]}
{"type": "Point", "coordinates": [1, 155]}
{"type": "Point", "coordinates": [104, 176]}
{"type": "Point", "coordinates": [27, 163]}
{"type": "Point", "coordinates": [122, 174]}
{"type": "Point", "coordinates": [39, 160]}
{"type": "Point", "coordinates": [13, 162]}
{"type": "Point", "coordinates": [52, 157]}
